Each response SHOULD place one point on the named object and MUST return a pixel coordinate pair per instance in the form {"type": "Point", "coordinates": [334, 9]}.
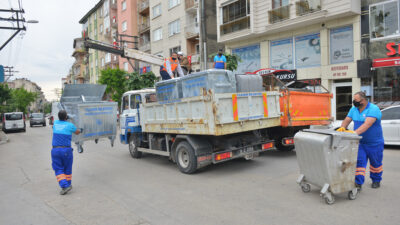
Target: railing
{"type": "Point", "coordinates": [191, 4]}
{"type": "Point", "coordinates": [235, 25]}
{"type": "Point", "coordinates": [145, 46]}
{"type": "Point", "coordinates": [144, 26]}
{"type": "Point", "coordinates": [279, 14]}
{"type": "Point", "coordinates": [307, 6]}
{"type": "Point", "coordinates": [192, 30]}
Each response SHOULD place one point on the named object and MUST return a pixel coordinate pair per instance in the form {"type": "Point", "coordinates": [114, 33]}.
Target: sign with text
{"type": "Point", "coordinates": [308, 50]}
{"type": "Point", "coordinates": [283, 75]}
{"type": "Point", "coordinates": [386, 62]}
{"type": "Point", "coordinates": [341, 45]}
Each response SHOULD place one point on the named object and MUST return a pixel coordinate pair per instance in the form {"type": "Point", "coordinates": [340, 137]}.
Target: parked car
{"type": "Point", "coordinates": [13, 121]}
{"type": "Point", "coordinates": [37, 119]}
{"type": "Point", "coordinates": [390, 125]}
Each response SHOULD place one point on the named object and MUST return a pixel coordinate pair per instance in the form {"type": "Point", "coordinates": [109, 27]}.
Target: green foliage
{"type": "Point", "coordinates": [47, 108]}
{"type": "Point", "coordinates": [115, 81]}
{"type": "Point", "coordinates": [21, 99]}
{"type": "Point", "coordinates": [5, 93]}
{"type": "Point", "coordinates": [231, 60]}
{"type": "Point", "coordinates": [137, 82]}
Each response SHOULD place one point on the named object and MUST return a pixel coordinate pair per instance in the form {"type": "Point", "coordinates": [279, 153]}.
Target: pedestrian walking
{"type": "Point", "coordinates": [219, 60]}
{"type": "Point", "coordinates": [185, 64]}
{"type": "Point", "coordinates": [367, 123]}
{"type": "Point", "coordinates": [61, 153]}
{"type": "Point", "coordinates": [171, 66]}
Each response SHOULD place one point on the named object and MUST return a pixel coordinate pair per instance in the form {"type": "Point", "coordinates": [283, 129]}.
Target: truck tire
{"type": "Point", "coordinates": [133, 148]}
{"type": "Point", "coordinates": [186, 158]}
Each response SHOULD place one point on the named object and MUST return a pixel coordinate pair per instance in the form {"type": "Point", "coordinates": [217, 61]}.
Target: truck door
{"type": "Point", "coordinates": [124, 113]}
{"type": "Point", "coordinates": [134, 118]}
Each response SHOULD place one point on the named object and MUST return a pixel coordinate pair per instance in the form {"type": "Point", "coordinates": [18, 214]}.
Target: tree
{"type": "Point", "coordinates": [231, 60]}
{"type": "Point", "coordinates": [47, 107]}
{"type": "Point", "coordinates": [137, 82]}
{"type": "Point", "coordinates": [115, 81]}
{"type": "Point", "coordinates": [5, 96]}
{"type": "Point", "coordinates": [21, 99]}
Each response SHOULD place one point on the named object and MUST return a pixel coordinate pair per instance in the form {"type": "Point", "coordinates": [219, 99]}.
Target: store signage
{"type": "Point", "coordinates": [283, 75]}
{"type": "Point", "coordinates": [391, 49]}
{"type": "Point", "coordinates": [386, 62]}
{"type": "Point", "coordinates": [339, 71]}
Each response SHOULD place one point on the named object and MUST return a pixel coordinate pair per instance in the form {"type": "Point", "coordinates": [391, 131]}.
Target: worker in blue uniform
{"type": "Point", "coordinates": [367, 123]}
{"type": "Point", "coordinates": [220, 60]}
{"type": "Point", "coordinates": [61, 153]}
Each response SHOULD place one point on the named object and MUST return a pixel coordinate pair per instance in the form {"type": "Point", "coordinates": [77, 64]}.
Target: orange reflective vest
{"type": "Point", "coordinates": [173, 63]}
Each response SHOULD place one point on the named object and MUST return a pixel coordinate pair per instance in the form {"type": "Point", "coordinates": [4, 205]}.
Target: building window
{"type": "Point", "coordinates": [124, 5]}
{"type": "Point", "coordinates": [95, 16]}
{"type": "Point", "coordinates": [95, 31]}
{"type": "Point", "coordinates": [106, 7]}
{"type": "Point", "coordinates": [175, 49]}
{"type": "Point", "coordinates": [235, 16]}
{"type": "Point", "coordinates": [102, 62]}
{"type": "Point", "coordinates": [197, 49]}
{"type": "Point", "coordinates": [341, 45]}
{"type": "Point", "coordinates": [279, 3]}
{"type": "Point", "coordinates": [173, 3]}
{"type": "Point", "coordinates": [157, 10]}
{"type": "Point", "coordinates": [157, 34]}
{"type": "Point", "coordinates": [107, 24]}
{"type": "Point", "coordinates": [101, 28]}
{"type": "Point", "coordinates": [126, 66]}
{"type": "Point", "coordinates": [174, 27]}
{"type": "Point", "coordinates": [124, 26]}
{"type": "Point", "coordinates": [108, 58]}
{"type": "Point", "coordinates": [384, 19]}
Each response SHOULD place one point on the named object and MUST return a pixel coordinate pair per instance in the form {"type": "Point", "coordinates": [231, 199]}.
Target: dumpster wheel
{"type": "Point", "coordinates": [352, 195]}
{"type": "Point", "coordinates": [329, 198]}
{"type": "Point", "coordinates": [305, 187]}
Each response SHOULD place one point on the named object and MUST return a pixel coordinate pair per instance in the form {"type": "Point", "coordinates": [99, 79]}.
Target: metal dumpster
{"type": "Point", "coordinates": [86, 110]}
{"type": "Point", "coordinates": [327, 159]}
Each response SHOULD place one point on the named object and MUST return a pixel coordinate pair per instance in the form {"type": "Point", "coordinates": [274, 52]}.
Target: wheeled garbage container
{"type": "Point", "coordinates": [327, 159]}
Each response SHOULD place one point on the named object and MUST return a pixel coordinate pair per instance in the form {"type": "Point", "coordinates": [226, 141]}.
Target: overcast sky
{"type": "Point", "coordinates": [43, 53]}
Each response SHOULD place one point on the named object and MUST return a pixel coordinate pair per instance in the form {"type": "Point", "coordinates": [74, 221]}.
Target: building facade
{"type": "Point", "coordinates": [38, 105]}
{"type": "Point", "coordinates": [380, 23]}
{"type": "Point", "coordinates": [100, 24]}
{"type": "Point", "coordinates": [318, 40]}
{"type": "Point", "coordinates": [78, 70]}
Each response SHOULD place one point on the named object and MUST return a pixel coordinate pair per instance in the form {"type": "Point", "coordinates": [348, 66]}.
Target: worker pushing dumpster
{"type": "Point", "coordinates": [327, 159]}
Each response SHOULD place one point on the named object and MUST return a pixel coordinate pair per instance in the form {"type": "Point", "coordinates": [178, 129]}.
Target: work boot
{"type": "Point", "coordinates": [376, 184]}
{"type": "Point", "coordinates": [359, 187]}
{"type": "Point", "coordinates": [65, 190]}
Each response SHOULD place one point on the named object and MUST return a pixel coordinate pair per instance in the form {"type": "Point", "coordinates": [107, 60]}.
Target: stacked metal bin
{"type": "Point", "coordinates": [249, 83]}
{"type": "Point", "coordinates": [86, 110]}
{"type": "Point", "coordinates": [327, 159]}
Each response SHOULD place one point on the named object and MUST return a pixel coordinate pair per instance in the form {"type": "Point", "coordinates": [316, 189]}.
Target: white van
{"type": "Point", "coordinates": [14, 121]}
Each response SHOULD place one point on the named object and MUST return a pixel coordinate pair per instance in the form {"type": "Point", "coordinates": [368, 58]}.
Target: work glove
{"type": "Point", "coordinates": [350, 131]}
{"type": "Point", "coordinates": [341, 129]}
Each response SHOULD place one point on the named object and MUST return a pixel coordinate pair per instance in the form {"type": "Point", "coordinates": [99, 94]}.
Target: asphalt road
{"type": "Point", "coordinates": [109, 187]}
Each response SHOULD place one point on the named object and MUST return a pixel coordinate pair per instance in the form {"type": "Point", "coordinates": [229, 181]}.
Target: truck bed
{"type": "Point", "coordinates": [212, 114]}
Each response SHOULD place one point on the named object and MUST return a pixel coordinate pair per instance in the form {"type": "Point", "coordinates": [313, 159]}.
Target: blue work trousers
{"type": "Point", "coordinates": [62, 159]}
{"type": "Point", "coordinates": [373, 153]}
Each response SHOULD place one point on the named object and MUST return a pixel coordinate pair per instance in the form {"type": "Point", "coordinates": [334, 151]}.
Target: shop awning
{"type": "Point", "coordinates": [386, 62]}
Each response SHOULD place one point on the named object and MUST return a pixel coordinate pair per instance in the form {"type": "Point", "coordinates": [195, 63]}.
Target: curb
{"type": "Point", "coordinates": [3, 138]}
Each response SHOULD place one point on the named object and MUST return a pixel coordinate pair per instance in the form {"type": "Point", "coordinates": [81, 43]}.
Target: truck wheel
{"type": "Point", "coordinates": [133, 148]}
{"type": "Point", "coordinates": [186, 158]}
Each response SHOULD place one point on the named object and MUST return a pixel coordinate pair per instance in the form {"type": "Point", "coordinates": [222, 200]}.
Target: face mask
{"type": "Point", "coordinates": [357, 104]}
{"type": "Point", "coordinates": [219, 54]}
{"type": "Point", "coordinates": [173, 58]}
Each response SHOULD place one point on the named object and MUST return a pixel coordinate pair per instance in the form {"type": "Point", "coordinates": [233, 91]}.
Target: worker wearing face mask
{"type": "Point", "coordinates": [171, 67]}
{"type": "Point", "coordinates": [367, 123]}
{"type": "Point", "coordinates": [220, 60]}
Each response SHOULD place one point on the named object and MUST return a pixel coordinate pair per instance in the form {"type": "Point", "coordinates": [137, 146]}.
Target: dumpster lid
{"type": "Point", "coordinates": [82, 92]}
{"type": "Point", "coordinates": [336, 135]}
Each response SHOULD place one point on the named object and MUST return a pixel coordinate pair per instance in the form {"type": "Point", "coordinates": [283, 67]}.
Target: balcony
{"type": "Point", "coordinates": [143, 7]}
{"type": "Point", "coordinates": [192, 31]}
{"type": "Point", "coordinates": [114, 5]}
{"type": "Point", "coordinates": [143, 27]}
{"type": "Point", "coordinates": [114, 22]}
{"type": "Point", "coordinates": [307, 6]}
{"type": "Point", "coordinates": [279, 14]}
{"type": "Point", "coordinates": [144, 46]}
{"type": "Point", "coordinates": [191, 6]}
{"type": "Point", "coordinates": [235, 25]}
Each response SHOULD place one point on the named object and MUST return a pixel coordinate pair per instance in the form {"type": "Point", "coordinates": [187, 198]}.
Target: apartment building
{"type": "Point", "coordinates": [127, 13]}
{"type": "Point", "coordinates": [38, 104]}
{"type": "Point", "coordinates": [143, 19]}
{"type": "Point", "coordinates": [78, 69]}
{"type": "Point", "coordinates": [318, 40]}
{"type": "Point", "coordinates": [175, 25]}
{"type": "Point", "coordinates": [100, 24]}
{"type": "Point", "coordinates": [380, 38]}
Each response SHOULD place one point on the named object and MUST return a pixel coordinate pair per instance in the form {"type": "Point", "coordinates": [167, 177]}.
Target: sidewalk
{"type": "Point", "coordinates": [3, 138]}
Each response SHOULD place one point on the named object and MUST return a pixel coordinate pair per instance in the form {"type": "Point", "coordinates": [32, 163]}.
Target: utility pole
{"type": "Point", "coordinates": [9, 72]}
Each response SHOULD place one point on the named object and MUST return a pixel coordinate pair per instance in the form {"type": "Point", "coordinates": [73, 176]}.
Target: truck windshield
{"type": "Point", "coordinates": [13, 116]}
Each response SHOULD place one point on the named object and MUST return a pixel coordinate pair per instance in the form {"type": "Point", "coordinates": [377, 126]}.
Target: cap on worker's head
{"type": "Point", "coordinates": [62, 115]}
{"type": "Point", "coordinates": [180, 53]}
{"type": "Point", "coordinates": [220, 50]}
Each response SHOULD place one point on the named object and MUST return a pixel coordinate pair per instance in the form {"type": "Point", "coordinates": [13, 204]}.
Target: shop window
{"type": "Point", "coordinates": [235, 17]}
{"type": "Point", "coordinates": [387, 84]}
{"type": "Point", "coordinates": [384, 19]}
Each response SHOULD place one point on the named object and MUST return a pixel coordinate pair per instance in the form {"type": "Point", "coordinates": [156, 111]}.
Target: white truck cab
{"type": "Point", "coordinates": [129, 114]}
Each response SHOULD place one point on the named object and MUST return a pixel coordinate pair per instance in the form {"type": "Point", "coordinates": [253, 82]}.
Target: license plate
{"type": "Point", "coordinates": [14, 125]}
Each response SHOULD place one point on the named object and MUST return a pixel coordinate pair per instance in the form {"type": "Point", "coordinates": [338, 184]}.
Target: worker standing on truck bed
{"type": "Point", "coordinates": [220, 60]}
{"type": "Point", "coordinates": [61, 154]}
{"type": "Point", "coordinates": [171, 66]}
{"type": "Point", "coordinates": [367, 123]}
